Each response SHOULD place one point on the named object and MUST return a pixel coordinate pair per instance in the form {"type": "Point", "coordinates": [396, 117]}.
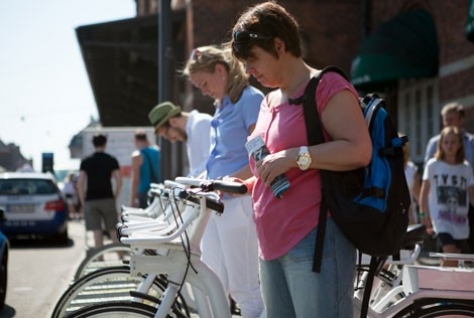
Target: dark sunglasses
{"type": "Point", "coordinates": [243, 37]}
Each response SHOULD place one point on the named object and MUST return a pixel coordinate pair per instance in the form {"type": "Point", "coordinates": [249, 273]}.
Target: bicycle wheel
{"type": "Point", "coordinates": [121, 310]}
{"type": "Point", "coordinates": [107, 284]}
{"type": "Point", "coordinates": [115, 310]}
{"type": "Point", "coordinates": [106, 256]}
{"type": "Point", "coordinates": [439, 308]}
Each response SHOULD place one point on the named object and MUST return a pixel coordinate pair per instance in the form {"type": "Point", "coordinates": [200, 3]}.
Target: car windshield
{"type": "Point", "coordinates": [27, 187]}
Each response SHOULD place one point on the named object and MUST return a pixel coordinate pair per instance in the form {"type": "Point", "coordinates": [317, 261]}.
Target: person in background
{"type": "Point", "coordinates": [229, 244]}
{"type": "Point", "coordinates": [194, 128]}
{"type": "Point", "coordinates": [454, 114]}
{"type": "Point", "coordinates": [25, 168]}
{"type": "Point", "coordinates": [70, 192]}
{"type": "Point", "coordinates": [413, 181]}
{"type": "Point", "coordinates": [78, 207]}
{"type": "Point", "coordinates": [145, 169]}
{"type": "Point", "coordinates": [446, 191]}
{"type": "Point", "coordinates": [94, 188]}
{"type": "Point", "coordinates": [266, 38]}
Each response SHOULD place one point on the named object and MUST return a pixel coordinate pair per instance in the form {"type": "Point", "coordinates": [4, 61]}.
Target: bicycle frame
{"type": "Point", "coordinates": [182, 262]}
{"type": "Point", "coordinates": [450, 285]}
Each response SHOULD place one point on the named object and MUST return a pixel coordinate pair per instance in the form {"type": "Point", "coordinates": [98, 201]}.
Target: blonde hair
{"type": "Point", "coordinates": [453, 107]}
{"type": "Point", "coordinates": [440, 155]}
{"type": "Point", "coordinates": [205, 59]}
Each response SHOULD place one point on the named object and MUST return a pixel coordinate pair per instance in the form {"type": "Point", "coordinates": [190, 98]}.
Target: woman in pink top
{"type": "Point", "coordinates": [266, 39]}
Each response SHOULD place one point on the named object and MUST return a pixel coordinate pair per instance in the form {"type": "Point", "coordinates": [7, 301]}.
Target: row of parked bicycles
{"type": "Point", "coordinates": [156, 270]}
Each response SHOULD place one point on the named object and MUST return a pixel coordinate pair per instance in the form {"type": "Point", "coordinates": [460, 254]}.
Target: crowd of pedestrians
{"type": "Point", "coordinates": [262, 248]}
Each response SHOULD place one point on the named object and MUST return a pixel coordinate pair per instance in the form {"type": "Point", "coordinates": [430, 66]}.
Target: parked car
{"type": "Point", "coordinates": [34, 205]}
{"type": "Point", "coordinates": [4, 250]}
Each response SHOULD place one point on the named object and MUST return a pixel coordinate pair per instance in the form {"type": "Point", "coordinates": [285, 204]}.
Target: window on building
{"type": "Point", "coordinates": [418, 113]}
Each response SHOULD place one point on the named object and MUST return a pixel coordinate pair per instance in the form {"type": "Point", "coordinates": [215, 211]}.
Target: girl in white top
{"type": "Point", "coordinates": [447, 188]}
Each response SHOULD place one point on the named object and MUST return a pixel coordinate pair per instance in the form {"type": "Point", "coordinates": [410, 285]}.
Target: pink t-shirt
{"type": "Point", "coordinates": [282, 223]}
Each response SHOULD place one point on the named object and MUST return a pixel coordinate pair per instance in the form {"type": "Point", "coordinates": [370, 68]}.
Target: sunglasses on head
{"type": "Point", "coordinates": [243, 37]}
{"type": "Point", "coordinates": [195, 54]}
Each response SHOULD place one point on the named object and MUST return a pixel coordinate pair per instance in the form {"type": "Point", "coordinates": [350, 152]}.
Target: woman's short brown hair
{"type": "Point", "coordinates": [269, 20]}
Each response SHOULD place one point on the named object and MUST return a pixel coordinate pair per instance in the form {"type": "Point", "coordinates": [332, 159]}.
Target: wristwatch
{"type": "Point", "coordinates": [304, 158]}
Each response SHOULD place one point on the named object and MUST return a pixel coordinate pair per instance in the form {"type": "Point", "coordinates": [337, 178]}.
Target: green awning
{"type": "Point", "coordinates": [469, 29]}
{"type": "Point", "coordinates": [404, 47]}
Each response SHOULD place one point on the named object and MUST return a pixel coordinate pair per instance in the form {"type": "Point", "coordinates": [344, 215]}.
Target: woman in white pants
{"type": "Point", "coordinates": [229, 245]}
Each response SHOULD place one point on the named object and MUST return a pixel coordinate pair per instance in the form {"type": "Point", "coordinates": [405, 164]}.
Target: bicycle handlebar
{"type": "Point", "coordinates": [185, 194]}
{"type": "Point", "coordinates": [214, 185]}
{"type": "Point", "coordinates": [162, 236]}
{"type": "Point", "coordinates": [210, 203]}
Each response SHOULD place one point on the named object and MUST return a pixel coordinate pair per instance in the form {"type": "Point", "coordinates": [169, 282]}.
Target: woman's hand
{"type": "Point", "coordinates": [275, 164]}
{"type": "Point", "coordinates": [247, 182]}
{"type": "Point", "coordinates": [426, 221]}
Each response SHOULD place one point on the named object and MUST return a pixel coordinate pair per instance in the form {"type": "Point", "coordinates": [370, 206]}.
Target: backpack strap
{"type": "Point", "coordinates": [368, 286]}
{"type": "Point", "coordinates": [314, 133]}
{"type": "Point", "coordinates": [308, 100]}
{"type": "Point", "coordinates": [315, 136]}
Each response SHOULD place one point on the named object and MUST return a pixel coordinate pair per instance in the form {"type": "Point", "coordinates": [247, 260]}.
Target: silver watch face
{"type": "Point", "coordinates": [303, 160]}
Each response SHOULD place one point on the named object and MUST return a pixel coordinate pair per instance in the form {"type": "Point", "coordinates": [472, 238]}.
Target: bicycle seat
{"type": "Point", "coordinates": [414, 235]}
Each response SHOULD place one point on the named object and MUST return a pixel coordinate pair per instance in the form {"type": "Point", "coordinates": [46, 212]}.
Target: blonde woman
{"type": "Point", "coordinates": [229, 245]}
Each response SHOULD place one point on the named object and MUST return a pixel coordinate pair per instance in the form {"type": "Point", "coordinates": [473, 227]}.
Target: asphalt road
{"type": "Point", "coordinates": [39, 271]}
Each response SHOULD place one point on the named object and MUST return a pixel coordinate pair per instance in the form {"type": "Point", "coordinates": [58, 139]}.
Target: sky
{"type": "Point", "coordinates": [45, 94]}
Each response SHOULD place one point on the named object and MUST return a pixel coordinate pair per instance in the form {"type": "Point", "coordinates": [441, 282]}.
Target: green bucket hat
{"type": "Point", "coordinates": [161, 113]}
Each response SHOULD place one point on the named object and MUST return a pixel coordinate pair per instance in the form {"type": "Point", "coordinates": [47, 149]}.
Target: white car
{"type": "Point", "coordinates": [33, 205]}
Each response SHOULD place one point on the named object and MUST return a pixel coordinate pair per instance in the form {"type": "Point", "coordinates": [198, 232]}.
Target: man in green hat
{"type": "Point", "coordinates": [193, 127]}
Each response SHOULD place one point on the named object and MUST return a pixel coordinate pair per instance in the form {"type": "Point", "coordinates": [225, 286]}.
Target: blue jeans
{"type": "Point", "coordinates": [291, 289]}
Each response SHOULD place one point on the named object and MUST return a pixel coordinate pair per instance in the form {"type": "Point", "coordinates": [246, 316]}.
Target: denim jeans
{"type": "Point", "coordinates": [291, 289]}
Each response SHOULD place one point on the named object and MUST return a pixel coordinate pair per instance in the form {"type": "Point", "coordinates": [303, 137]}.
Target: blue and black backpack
{"type": "Point", "coordinates": [369, 204]}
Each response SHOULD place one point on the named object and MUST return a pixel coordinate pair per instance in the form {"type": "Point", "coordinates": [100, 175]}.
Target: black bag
{"type": "Point", "coordinates": [369, 204]}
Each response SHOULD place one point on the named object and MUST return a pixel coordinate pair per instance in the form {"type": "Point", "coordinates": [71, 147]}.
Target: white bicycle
{"type": "Point", "coordinates": [114, 254]}
{"type": "Point", "coordinates": [388, 271]}
{"type": "Point", "coordinates": [109, 278]}
{"type": "Point", "coordinates": [428, 292]}
{"type": "Point", "coordinates": [180, 261]}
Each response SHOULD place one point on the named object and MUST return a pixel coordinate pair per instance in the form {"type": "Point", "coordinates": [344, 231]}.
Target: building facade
{"type": "Point", "coordinates": [415, 53]}
{"type": "Point", "coordinates": [11, 158]}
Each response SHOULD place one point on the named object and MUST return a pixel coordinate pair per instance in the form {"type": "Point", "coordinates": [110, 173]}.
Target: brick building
{"type": "Point", "coordinates": [415, 53]}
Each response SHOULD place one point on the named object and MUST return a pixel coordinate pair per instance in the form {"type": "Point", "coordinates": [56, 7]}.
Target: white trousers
{"type": "Point", "coordinates": [229, 247]}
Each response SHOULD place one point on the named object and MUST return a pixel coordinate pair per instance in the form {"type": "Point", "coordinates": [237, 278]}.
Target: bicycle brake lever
{"type": "Point", "coordinates": [207, 187]}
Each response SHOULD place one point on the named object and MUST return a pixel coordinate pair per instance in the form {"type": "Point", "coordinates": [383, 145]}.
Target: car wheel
{"type": "Point", "coordinates": [63, 237]}
{"type": "Point", "coordinates": [3, 280]}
